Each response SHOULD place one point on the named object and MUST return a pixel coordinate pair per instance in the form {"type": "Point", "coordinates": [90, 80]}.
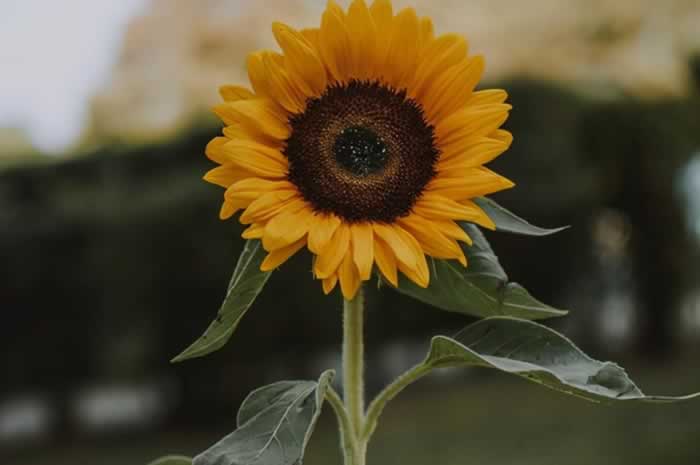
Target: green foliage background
{"type": "Point", "coordinates": [112, 263]}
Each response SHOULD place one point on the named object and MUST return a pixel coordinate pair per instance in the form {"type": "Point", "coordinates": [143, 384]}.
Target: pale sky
{"type": "Point", "coordinates": [55, 54]}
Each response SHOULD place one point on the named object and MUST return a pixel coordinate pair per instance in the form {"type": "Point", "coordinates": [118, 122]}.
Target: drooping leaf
{"type": "Point", "coordinates": [259, 399]}
{"type": "Point", "coordinates": [246, 283]}
{"type": "Point", "coordinates": [539, 354]}
{"type": "Point", "coordinates": [481, 289]}
{"type": "Point", "coordinates": [172, 460]}
{"type": "Point", "coordinates": [274, 423]}
{"type": "Point", "coordinates": [507, 221]}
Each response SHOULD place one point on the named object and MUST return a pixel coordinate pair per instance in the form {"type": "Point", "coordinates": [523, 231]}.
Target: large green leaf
{"type": "Point", "coordinates": [173, 460]}
{"type": "Point", "coordinates": [246, 283]}
{"type": "Point", "coordinates": [274, 425]}
{"type": "Point", "coordinates": [481, 289]}
{"type": "Point", "coordinates": [507, 221]}
{"type": "Point", "coordinates": [541, 355]}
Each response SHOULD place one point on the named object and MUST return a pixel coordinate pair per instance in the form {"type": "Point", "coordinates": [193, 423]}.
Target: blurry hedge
{"type": "Point", "coordinates": [112, 263]}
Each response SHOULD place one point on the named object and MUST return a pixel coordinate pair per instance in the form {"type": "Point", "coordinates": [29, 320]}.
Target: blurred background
{"type": "Point", "coordinates": [112, 259]}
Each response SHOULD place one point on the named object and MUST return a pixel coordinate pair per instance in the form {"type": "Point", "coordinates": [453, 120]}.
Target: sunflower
{"type": "Point", "coordinates": [363, 141]}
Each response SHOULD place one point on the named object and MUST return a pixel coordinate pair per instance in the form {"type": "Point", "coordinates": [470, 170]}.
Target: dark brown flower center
{"type": "Point", "coordinates": [362, 151]}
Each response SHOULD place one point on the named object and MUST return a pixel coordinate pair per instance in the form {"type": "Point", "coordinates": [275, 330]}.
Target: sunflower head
{"type": "Point", "coordinates": [363, 141]}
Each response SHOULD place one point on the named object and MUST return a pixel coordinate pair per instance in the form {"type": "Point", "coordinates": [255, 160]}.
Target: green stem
{"type": "Point", "coordinates": [347, 434]}
{"type": "Point", "coordinates": [377, 406]}
{"type": "Point", "coordinates": [353, 374]}
{"type": "Point", "coordinates": [356, 427]}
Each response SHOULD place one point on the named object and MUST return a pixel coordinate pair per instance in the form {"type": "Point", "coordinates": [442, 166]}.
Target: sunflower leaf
{"type": "Point", "coordinates": [481, 289]}
{"type": "Point", "coordinates": [246, 283]}
{"type": "Point", "coordinates": [275, 423]}
{"type": "Point", "coordinates": [172, 460]}
{"type": "Point", "coordinates": [507, 221]}
{"type": "Point", "coordinates": [541, 355]}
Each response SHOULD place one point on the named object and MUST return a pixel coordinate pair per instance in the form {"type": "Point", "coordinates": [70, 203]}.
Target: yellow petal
{"type": "Point", "coordinates": [225, 175]}
{"type": "Point", "coordinates": [256, 115]}
{"type": "Point", "coordinates": [426, 35]}
{"type": "Point", "coordinates": [481, 218]}
{"type": "Point", "coordinates": [313, 37]}
{"type": "Point", "coordinates": [349, 277]}
{"type": "Point", "coordinates": [469, 154]}
{"type": "Point", "coordinates": [383, 17]}
{"type": "Point", "coordinates": [332, 255]}
{"type": "Point", "coordinates": [386, 261]}
{"type": "Point", "coordinates": [469, 183]}
{"type": "Point", "coordinates": [227, 209]}
{"type": "Point", "coordinates": [435, 206]}
{"type": "Point", "coordinates": [230, 207]}
{"type": "Point", "coordinates": [502, 135]}
{"type": "Point", "coordinates": [334, 43]}
{"type": "Point", "coordinates": [263, 209]}
{"type": "Point", "coordinates": [286, 228]}
{"type": "Point", "coordinates": [321, 231]}
{"type": "Point", "coordinates": [281, 85]}
{"type": "Point", "coordinates": [452, 230]}
{"type": "Point", "coordinates": [235, 204]}
{"type": "Point", "coordinates": [362, 30]}
{"type": "Point", "coordinates": [213, 150]}
{"type": "Point", "coordinates": [452, 89]}
{"type": "Point", "coordinates": [402, 55]}
{"type": "Point", "coordinates": [431, 239]}
{"type": "Point", "coordinates": [473, 73]}
{"type": "Point", "coordinates": [276, 258]}
{"type": "Point", "coordinates": [269, 204]}
{"type": "Point", "coordinates": [382, 13]}
{"type": "Point", "coordinates": [301, 59]}
{"type": "Point", "coordinates": [253, 187]}
{"type": "Point", "coordinates": [471, 123]}
{"type": "Point", "coordinates": [390, 235]}
{"type": "Point", "coordinates": [233, 93]}
{"type": "Point", "coordinates": [329, 283]}
{"type": "Point", "coordinates": [257, 158]}
{"type": "Point", "coordinates": [418, 272]}
{"type": "Point", "coordinates": [420, 276]}
{"type": "Point", "coordinates": [254, 231]}
{"type": "Point", "coordinates": [363, 251]}
{"type": "Point", "coordinates": [237, 131]}
{"type": "Point", "coordinates": [236, 147]}
{"type": "Point", "coordinates": [256, 74]}
{"type": "Point", "coordinates": [442, 53]}
{"type": "Point", "coordinates": [484, 97]}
